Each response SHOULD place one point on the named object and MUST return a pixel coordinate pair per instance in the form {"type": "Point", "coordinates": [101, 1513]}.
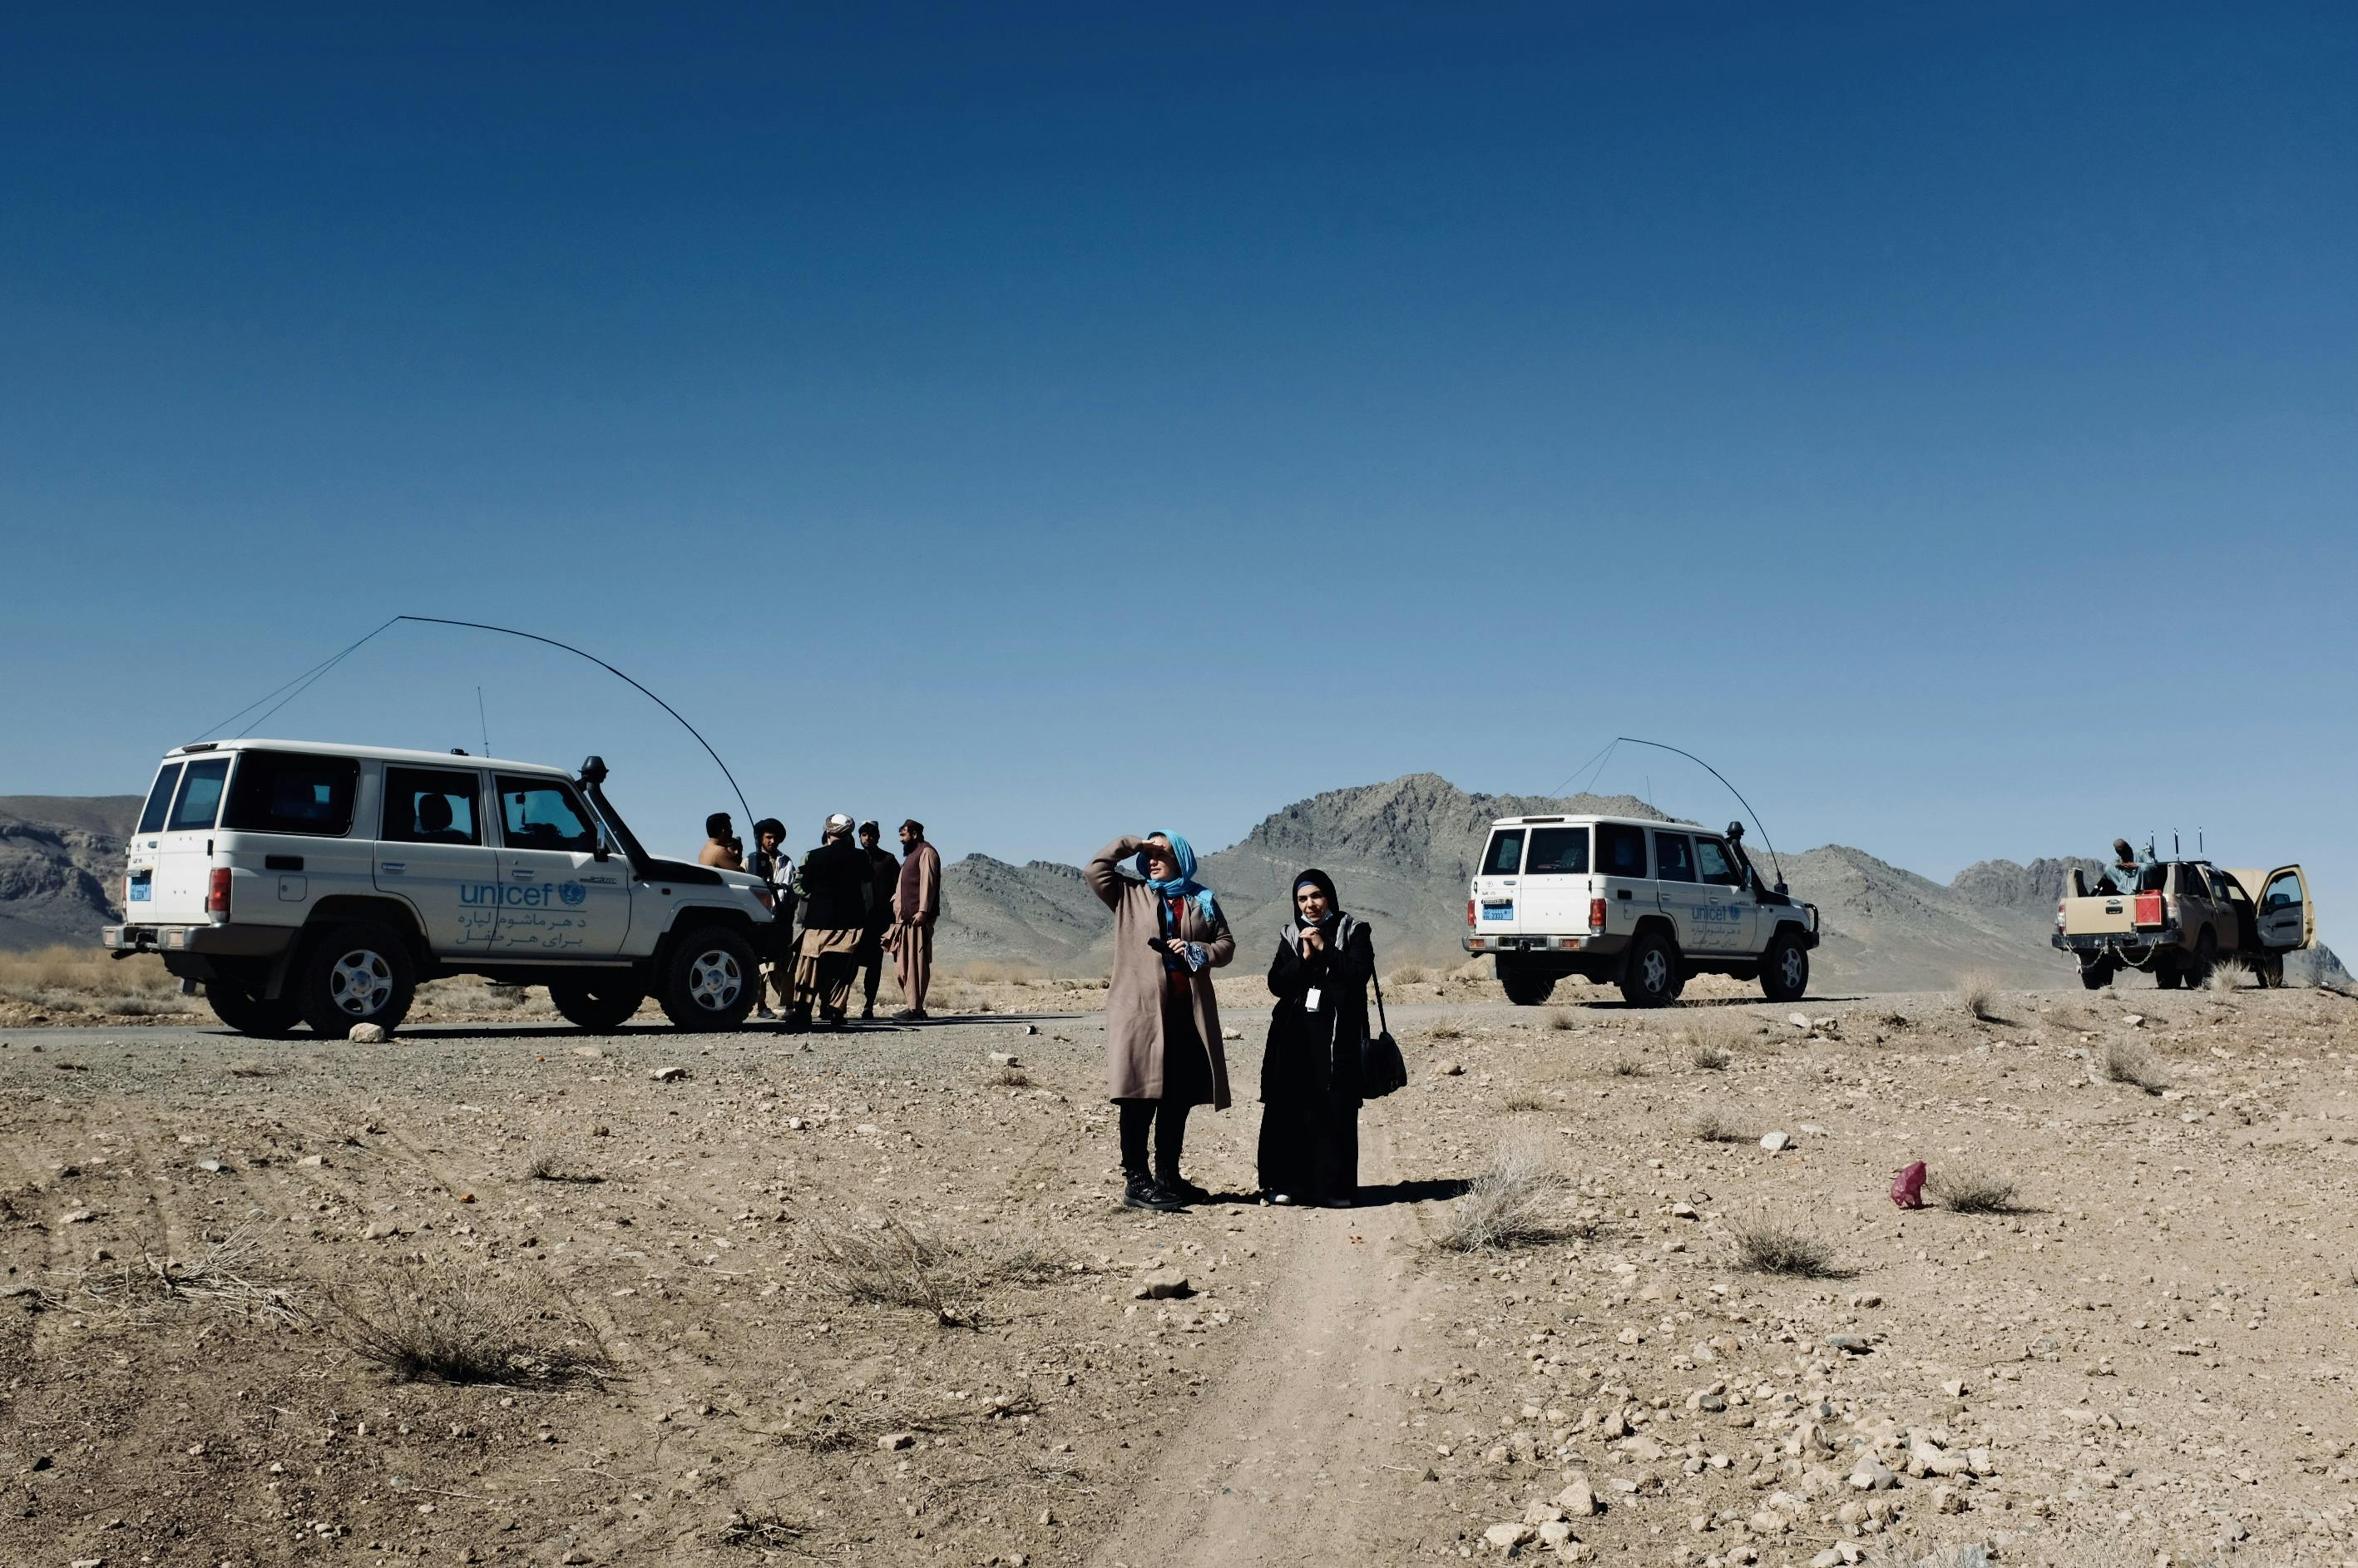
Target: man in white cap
{"type": "Point", "coordinates": [837, 886]}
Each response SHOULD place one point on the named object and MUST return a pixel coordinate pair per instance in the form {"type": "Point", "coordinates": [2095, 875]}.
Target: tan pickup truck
{"type": "Point", "coordinates": [2182, 917]}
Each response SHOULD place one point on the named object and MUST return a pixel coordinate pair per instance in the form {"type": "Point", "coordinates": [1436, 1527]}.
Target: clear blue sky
{"type": "Point", "coordinates": [1054, 421]}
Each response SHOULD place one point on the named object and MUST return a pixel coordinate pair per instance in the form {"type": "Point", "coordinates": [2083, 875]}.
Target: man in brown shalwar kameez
{"type": "Point", "coordinates": [916, 904]}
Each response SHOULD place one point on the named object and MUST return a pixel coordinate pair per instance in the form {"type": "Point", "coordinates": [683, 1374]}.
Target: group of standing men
{"type": "Point", "coordinates": [858, 903]}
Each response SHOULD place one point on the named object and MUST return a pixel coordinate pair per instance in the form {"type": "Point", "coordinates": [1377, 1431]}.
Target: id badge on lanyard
{"type": "Point", "coordinates": [1310, 1002]}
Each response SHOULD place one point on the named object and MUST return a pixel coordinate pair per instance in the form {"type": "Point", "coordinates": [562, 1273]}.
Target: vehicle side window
{"type": "Point", "coordinates": [1674, 857]}
{"type": "Point", "coordinates": [2283, 894]}
{"type": "Point", "coordinates": [1711, 859]}
{"type": "Point", "coordinates": [2154, 879]}
{"type": "Point", "coordinates": [159, 799]}
{"type": "Point", "coordinates": [2191, 882]}
{"type": "Point", "coordinates": [538, 814]}
{"type": "Point", "coordinates": [286, 792]}
{"type": "Point", "coordinates": [1558, 851]}
{"type": "Point", "coordinates": [1505, 857]}
{"type": "Point", "coordinates": [1620, 849]}
{"type": "Point", "coordinates": [430, 805]}
{"type": "Point", "coordinates": [199, 801]}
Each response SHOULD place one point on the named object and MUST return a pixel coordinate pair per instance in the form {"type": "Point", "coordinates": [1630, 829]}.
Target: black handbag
{"type": "Point", "coordinates": [1383, 1069]}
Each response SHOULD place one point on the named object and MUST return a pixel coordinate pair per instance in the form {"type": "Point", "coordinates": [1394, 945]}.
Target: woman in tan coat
{"type": "Point", "coordinates": [1162, 1022]}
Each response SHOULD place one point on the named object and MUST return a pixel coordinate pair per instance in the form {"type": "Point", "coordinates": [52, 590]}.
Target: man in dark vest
{"type": "Point", "coordinates": [838, 884]}
{"type": "Point", "coordinates": [886, 866]}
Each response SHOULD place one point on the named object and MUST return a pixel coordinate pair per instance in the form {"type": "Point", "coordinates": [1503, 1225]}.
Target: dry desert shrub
{"type": "Point", "coordinates": [2228, 974]}
{"type": "Point", "coordinates": [1976, 997]}
{"type": "Point", "coordinates": [1011, 1076]}
{"type": "Point", "coordinates": [91, 980]}
{"type": "Point", "coordinates": [1410, 975]}
{"type": "Point", "coordinates": [1768, 1247]}
{"type": "Point", "coordinates": [1710, 1059]}
{"type": "Point", "coordinates": [466, 1326]}
{"type": "Point", "coordinates": [2127, 1061]}
{"type": "Point", "coordinates": [1626, 1067]}
{"type": "Point", "coordinates": [1975, 1191]}
{"type": "Point", "coordinates": [231, 1275]}
{"type": "Point", "coordinates": [1711, 1125]}
{"type": "Point", "coordinates": [1562, 1019]}
{"type": "Point", "coordinates": [1445, 1029]}
{"type": "Point", "coordinates": [1528, 1102]}
{"type": "Point", "coordinates": [887, 1262]}
{"type": "Point", "coordinates": [549, 1166]}
{"type": "Point", "coordinates": [1519, 1202]}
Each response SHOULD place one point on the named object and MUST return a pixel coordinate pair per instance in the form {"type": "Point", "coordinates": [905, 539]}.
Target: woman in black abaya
{"type": "Point", "coordinates": [1310, 1073]}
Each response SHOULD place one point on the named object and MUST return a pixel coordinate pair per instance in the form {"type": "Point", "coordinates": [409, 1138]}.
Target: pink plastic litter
{"type": "Point", "coordinates": [1907, 1186]}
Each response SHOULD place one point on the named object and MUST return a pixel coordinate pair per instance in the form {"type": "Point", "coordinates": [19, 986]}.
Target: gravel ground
{"type": "Point", "coordinates": [868, 1297]}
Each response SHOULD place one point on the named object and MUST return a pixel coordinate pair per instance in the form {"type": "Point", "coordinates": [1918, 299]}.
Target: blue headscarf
{"type": "Point", "coordinates": [1185, 884]}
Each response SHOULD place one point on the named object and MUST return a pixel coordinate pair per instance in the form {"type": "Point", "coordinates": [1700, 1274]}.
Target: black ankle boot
{"type": "Point", "coordinates": [1168, 1178]}
{"type": "Point", "coordinates": [1142, 1191]}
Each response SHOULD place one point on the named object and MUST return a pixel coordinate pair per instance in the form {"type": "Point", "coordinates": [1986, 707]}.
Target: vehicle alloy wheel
{"type": "Point", "coordinates": [360, 973]}
{"type": "Point", "coordinates": [1785, 968]}
{"type": "Point", "coordinates": [1650, 975]}
{"type": "Point", "coordinates": [710, 981]}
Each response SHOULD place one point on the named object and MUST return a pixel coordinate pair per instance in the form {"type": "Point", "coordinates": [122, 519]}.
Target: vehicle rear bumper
{"type": "Point", "coordinates": [1601, 944]}
{"type": "Point", "coordinates": [213, 941]}
{"type": "Point", "coordinates": [2135, 942]}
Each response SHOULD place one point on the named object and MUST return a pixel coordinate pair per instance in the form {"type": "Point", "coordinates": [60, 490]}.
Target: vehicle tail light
{"type": "Point", "coordinates": [217, 891]}
{"type": "Point", "coordinates": [769, 900]}
{"type": "Point", "coordinates": [2149, 909]}
{"type": "Point", "coordinates": [1597, 914]}
{"type": "Point", "coordinates": [1469, 912]}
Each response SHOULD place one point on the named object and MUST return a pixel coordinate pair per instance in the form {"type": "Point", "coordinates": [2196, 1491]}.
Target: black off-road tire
{"type": "Point", "coordinates": [2269, 971]}
{"type": "Point", "coordinates": [1785, 968]}
{"type": "Point", "coordinates": [1650, 972]}
{"type": "Point", "coordinates": [601, 1005]}
{"type": "Point", "coordinates": [2168, 977]}
{"type": "Point", "coordinates": [248, 1014]}
{"type": "Point", "coordinates": [2206, 959]}
{"type": "Point", "coordinates": [711, 982]}
{"type": "Point", "coordinates": [2097, 975]}
{"type": "Point", "coordinates": [360, 973]}
{"type": "Point", "coordinates": [1526, 985]}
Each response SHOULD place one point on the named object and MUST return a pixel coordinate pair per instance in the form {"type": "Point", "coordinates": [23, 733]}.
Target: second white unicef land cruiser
{"type": "Point", "coordinates": [317, 884]}
{"type": "Point", "coordinates": [1641, 904]}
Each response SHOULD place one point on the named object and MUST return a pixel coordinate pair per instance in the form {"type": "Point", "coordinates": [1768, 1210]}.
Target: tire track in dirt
{"type": "Point", "coordinates": [1298, 1456]}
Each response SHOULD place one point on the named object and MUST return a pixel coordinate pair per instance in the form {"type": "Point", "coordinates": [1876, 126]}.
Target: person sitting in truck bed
{"type": "Point", "coordinates": [2128, 867]}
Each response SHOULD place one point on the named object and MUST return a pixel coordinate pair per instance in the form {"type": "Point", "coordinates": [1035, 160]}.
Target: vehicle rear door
{"type": "Point", "coordinates": [1555, 882]}
{"type": "Point", "coordinates": [2285, 916]}
{"type": "Point", "coordinates": [555, 898]}
{"type": "Point", "coordinates": [1734, 916]}
{"type": "Point", "coordinates": [1498, 885]}
{"type": "Point", "coordinates": [288, 827]}
{"type": "Point", "coordinates": [1620, 876]}
{"type": "Point", "coordinates": [179, 852]}
{"type": "Point", "coordinates": [1678, 893]}
{"type": "Point", "coordinates": [434, 850]}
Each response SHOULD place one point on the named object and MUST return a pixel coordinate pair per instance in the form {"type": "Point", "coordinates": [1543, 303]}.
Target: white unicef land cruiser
{"type": "Point", "coordinates": [319, 883]}
{"type": "Point", "coordinates": [1641, 904]}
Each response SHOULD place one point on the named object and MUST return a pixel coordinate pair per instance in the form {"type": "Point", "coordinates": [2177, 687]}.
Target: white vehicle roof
{"type": "Point", "coordinates": [1590, 819]}
{"type": "Point", "coordinates": [384, 754]}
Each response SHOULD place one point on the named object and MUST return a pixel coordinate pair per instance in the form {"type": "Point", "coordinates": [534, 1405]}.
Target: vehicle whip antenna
{"type": "Point", "coordinates": [650, 697]}
{"type": "Point", "coordinates": [484, 719]}
{"type": "Point", "coordinates": [1738, 794]}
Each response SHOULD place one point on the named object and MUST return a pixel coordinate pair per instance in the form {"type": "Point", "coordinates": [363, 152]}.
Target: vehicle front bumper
{"type": "Point", "coordinates": [213, 941]}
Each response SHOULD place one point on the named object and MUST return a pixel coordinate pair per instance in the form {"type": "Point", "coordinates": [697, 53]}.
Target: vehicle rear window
{"type": "Point", "coordinates": [199, 799]}
{"type": "Point", "coordinates": [2154, 879]}
{"type": "Point", "coordinates": [288, 791]}
{"type": "Point", "coordinates": [159, 799]}
{"type": "Point", "coordinates": [1674, 857]}
{"type": "Point", "coordinates": [1711, 858]}
{"type": "Point", "coordinates": [430, 805]}
{"type": "Point", "coordinates": [1505, 856]}
{"type": "Point", "coordinates": [1558, 851]}
{"type": "Point", "coordinates": [1620, 849]}
{"type": "Point", "coordinates": [540, 814]}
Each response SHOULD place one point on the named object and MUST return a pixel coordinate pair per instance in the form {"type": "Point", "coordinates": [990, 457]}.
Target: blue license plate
{"type": "Point", "coordinates": [1498, 911]}
{"type": "Point", "coordinates": [142, 890]}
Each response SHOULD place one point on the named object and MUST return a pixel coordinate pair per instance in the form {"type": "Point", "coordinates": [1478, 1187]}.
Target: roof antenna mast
{"type": "Point", "coordinates": [1738, 794]}
{"type": "Point", "coordinates": [482, 718]}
